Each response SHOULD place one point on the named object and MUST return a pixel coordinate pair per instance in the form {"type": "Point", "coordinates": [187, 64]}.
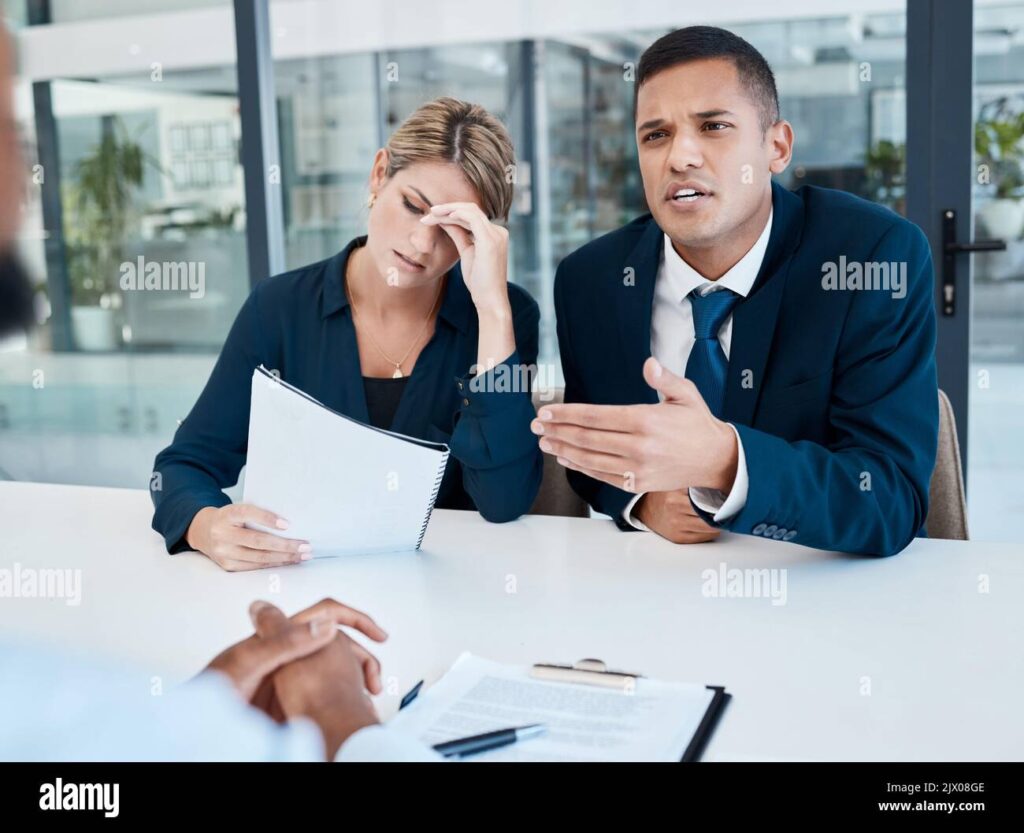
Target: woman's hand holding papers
{"type": "Point", "coordinates": [220, 534]}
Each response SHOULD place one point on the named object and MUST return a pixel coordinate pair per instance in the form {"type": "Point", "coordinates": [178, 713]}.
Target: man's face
{"type": "Point", "coordinates": [699, 131]}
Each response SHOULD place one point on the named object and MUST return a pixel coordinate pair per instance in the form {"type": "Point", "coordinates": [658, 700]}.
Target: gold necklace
{"type": "Point", "coordinates": [398, 365]}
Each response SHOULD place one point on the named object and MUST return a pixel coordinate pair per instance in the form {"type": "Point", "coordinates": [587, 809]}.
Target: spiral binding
{"type": "Point", "coordinates": [433, 497]}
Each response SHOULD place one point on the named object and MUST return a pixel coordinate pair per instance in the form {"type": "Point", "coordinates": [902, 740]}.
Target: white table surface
{"type": "Point", "coordinates": [902, 658]}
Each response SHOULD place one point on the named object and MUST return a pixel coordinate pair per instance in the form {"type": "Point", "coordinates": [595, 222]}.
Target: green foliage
{"type": "Point", "coordinates": [885, 171]}
{"type": "Point", "coordinates": [99, 211]}
{"type": "Point", "coordinates": [997, 142]}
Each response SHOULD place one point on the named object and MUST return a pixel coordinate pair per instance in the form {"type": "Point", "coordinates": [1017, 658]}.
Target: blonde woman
{"type": "Point", "coordinates": [390, 331]}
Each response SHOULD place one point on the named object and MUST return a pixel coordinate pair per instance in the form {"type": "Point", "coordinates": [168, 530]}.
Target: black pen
{"type": "Point", "coordinates": [488, 740]}
{"type": "Point", "coordinates": [412, 694]}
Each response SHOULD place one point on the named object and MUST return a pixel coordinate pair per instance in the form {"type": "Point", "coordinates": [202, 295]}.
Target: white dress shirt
{"type": "Point", "coordinates": [61, 708]}
{"type": "Point", "coordinates": [672, 339]}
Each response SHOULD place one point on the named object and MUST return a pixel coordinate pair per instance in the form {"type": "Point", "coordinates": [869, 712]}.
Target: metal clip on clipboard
{"type": "Point", "coordinates": [585, 672]}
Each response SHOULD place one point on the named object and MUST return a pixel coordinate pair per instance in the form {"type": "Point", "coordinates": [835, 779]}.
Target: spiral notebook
{"type": "Point", "coordinates": [344, 486]}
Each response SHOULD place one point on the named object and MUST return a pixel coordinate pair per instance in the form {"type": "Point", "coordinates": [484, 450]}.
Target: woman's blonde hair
{"type": "Point", "coordinates": [449, 130]}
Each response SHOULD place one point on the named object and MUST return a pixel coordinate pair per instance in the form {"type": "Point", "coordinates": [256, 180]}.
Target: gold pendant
{"type": "Point", "coordinates": [398, 373]}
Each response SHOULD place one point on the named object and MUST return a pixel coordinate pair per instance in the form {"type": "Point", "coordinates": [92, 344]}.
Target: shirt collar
{"type": "Point", "coordinates": [456, 306]}
{"type": "Point", "coordinates": [682, 278]}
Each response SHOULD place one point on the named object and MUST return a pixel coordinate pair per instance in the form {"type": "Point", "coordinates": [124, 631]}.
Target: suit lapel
{"type": "Point", "coordinates": [633, 303]}
{"type": "Point", "coordinates": [754, 318]}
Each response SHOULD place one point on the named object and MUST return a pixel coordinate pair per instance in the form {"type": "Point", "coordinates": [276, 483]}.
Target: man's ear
{"type": "Point", "coordinates": [780, 138]}
{"type": "Point", "coordinates": [379, 169]}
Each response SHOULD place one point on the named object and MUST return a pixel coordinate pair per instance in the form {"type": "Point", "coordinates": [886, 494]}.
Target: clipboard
{"type": "Point", "coordinates": [595, 672]}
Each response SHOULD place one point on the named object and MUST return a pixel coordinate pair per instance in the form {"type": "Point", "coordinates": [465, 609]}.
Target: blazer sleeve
{"type": "Point", "coordinates": [867, 491]}
{"type": "Point", "coordinates": [502, 464]}
{"type": "Point", "coordinates": [603, 497]}
{"type": "Point", "coordinates": [209, 447]}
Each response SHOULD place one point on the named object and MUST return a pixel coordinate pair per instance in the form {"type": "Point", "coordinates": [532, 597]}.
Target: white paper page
{"type": "Point", "coordinates": [343, 486]}
{"type": "Point", "coordinates": [654, 722]}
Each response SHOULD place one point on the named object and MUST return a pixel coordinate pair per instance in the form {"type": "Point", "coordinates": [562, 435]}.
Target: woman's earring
{"type": "Point", "coordinates": [371, 200]}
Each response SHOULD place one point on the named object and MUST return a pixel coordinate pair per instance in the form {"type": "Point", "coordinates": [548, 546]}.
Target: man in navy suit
{"type": "Point", "coordinates": [745, 357]}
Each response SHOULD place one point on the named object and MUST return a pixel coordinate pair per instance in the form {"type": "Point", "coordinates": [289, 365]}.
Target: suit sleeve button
{"type": "Point", "coordinates": [757, 530]}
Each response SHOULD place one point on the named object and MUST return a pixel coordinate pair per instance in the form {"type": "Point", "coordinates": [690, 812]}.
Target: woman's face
{"type": "Point", "coordinates": [406, 252]}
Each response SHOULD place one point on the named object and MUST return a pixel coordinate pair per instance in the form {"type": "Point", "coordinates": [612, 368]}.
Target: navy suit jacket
{"type": "Point", "coordinates": [833, 391]}
{"type": "Point", "coordinates": [300, 323]}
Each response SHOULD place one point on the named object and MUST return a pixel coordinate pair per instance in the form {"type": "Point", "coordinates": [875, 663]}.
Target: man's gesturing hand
{"type": "Point", "coordinates": [676, 444]}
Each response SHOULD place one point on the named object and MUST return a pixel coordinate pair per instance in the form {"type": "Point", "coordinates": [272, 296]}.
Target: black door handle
{"type": "Point", "coordinates": [950, 249]}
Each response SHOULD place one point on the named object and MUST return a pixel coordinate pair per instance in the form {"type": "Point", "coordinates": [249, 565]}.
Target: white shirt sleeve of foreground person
{"type": "Point", "coordinates": [381, 743]}
{"type": "Point", "coordinates": [61, 708]}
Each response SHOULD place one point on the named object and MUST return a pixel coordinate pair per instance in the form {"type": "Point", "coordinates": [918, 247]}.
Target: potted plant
{"type": "Point", "coordinates": [997, 143]}
{"type": "Point", "coordinates": [99, 200]}
{"type": "Point", "coordinates": [885, 172]}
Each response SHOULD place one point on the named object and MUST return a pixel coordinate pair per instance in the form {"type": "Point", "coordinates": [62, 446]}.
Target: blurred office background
{"type": "Point", "coordinates": [130, 116]}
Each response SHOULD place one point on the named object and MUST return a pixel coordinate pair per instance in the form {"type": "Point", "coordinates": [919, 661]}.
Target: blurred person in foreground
{"type": "Point", "coordinates": [296, 690]}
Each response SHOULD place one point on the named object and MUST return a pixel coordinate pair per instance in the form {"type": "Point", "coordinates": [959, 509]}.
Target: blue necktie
{"type": "Point", "coordinates": [707, 364]}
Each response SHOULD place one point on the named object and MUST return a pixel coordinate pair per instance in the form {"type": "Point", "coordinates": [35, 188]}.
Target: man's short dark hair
{"type": "Point", "coordinates": [695, 43]}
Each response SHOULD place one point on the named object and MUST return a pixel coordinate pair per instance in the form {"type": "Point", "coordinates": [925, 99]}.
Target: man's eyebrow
{"type": "Point", "coordinates": [647, 125]}
{"type": "Point", "coordinates": [422, 196]}
{"type": "Point", "coordinates": [703, 114]}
